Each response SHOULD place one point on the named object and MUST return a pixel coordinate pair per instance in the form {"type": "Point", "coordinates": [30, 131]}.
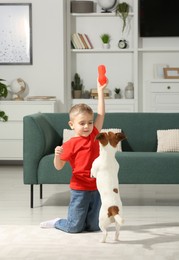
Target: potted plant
{"type": "Point", "coordinates": [122, 9]}
{"type": "Point", "coordinates": [3, 93]}
{"type": "Point", "coordinates": [77, 86]}
{"type": "Point", "coordinates": [106, 38]}
{"type": "Point", "coordinates": [117, 93]}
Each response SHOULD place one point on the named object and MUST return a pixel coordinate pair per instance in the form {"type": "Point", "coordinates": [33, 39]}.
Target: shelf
{"type": "Point", "coordinates": [102, 50]}
{"type": "Point", "coordinates": [98, 14]}
{"type": "Point", "coordinates": [107, 101]}
{"type": "Point", "coordinates": [111, 105]}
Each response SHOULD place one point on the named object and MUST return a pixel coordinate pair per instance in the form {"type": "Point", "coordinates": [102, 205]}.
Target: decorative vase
{"type": "Point", "coordinates": [129, 91]}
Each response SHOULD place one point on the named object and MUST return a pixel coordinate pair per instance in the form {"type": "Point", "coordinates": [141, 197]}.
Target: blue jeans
{"type": "Point", "coordinates": [83, 212]}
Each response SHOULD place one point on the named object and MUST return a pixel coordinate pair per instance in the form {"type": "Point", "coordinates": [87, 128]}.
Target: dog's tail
{"type": "Point", "coordinates": [118, 219]}
{"type": "Point", "coordinates": [114, 211]}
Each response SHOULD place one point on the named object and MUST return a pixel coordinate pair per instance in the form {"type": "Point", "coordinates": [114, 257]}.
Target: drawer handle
{"type": "Point", "coordinates": [168, 87]}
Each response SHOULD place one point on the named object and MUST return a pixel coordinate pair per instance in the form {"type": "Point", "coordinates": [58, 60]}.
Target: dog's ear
{"type": "Point", "coordinates": [102, 138]}
{"type": "Point", "coordinates": [120, 136]}
{"type": "Point", "coordinates": [115, 138]}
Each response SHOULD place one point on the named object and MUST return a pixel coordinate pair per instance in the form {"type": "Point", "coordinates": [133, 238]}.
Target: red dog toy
{"type": "Point", "coordinates": [102, 78]}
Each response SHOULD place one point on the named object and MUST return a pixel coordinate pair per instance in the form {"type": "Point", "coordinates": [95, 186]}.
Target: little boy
{"type": "Point", "coordinates": [80, 151]}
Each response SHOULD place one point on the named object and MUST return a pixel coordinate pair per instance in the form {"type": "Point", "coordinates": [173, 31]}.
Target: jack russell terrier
{"type": "Point", "coordinates": [105, 170]}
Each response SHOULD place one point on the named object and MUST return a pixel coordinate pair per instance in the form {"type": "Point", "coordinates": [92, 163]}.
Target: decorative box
{"type": "Point", "coordinates": [82, 7]}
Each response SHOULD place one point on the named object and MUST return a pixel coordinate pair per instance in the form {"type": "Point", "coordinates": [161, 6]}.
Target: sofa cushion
{"type": "Point", "coordinates": [148, 167]}
{"type": "Point", "coordinates": [168, 140]}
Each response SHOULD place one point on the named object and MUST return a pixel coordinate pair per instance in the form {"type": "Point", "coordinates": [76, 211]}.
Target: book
{"type": "Point", "coordinates": [91, 45]}
{"type": "Point", "coordinates": [83, 40]}
{"type": "Point", "coordinates": [75, 41]}
{"type": "Point", "coordinates": [80, 41]}
{"type": "Point", "coordinates": [86, 40]}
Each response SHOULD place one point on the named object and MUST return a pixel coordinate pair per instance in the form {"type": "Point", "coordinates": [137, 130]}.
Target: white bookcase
{"type": "Point", "coordinates": [134, 64]}
{"type": "Point", "coordinates": [11, 132]}
{"type": "Point", "coordinates": [121, 64]}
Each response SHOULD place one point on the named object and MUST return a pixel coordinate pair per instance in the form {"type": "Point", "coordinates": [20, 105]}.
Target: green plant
{"type": "Point", "coordinates": [105, 38]}
{"type": "Point", "coordinates": [117, 90]}
{"type": "Point", "coordinates": [76, 83]}
{"type": "Point", "coordinates": [3, 93]}
{"type": "Point", "coordinates": [122, 9]}
{"type": "Point", "coordinates": [3, 116]}
{"type": "Point", "coordinates": [3, 89]}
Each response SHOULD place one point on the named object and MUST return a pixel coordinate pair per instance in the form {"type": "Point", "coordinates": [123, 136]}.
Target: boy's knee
{"type": "Point", "coordinates": [75, 230]}
{"type": "Point", "coordinates": [92, 228]}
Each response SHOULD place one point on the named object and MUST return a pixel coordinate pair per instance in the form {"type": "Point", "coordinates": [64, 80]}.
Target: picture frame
{"type": "Point", "coordinates": [158, 70]}
{"type": "Point", "coordinates": [171, 73]}
{"type": "Point", "coordinates": [15, 33]}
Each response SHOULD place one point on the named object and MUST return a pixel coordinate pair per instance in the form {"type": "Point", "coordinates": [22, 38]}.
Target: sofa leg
{"type": "Point", "coordinates": [31, 195]}
{"type": "Point", "coordinates": [41, 191]}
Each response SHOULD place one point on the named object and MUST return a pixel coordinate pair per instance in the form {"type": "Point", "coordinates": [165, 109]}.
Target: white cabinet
{"type": "Point", "coordinates": [162, 96]}
{"type": "Point", "coordinates": [11, 132]}
{"type": "Point", "coordinates": [121, 64]}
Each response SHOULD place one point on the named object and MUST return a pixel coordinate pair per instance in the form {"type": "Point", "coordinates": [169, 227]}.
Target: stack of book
{"type": "Point", "coordinates": [81, 41]}
{"type": "Point", "coordinates": [94, 93]}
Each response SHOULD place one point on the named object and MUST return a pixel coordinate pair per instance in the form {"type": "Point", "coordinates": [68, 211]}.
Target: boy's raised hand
{"type": "Point", "coordinates": [101, 87]}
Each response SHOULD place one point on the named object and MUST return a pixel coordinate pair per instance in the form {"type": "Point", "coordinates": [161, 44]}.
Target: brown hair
{"type": "Point", "coordinates": [80, 109]}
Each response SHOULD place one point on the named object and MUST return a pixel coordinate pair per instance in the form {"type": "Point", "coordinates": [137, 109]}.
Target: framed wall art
{"type": "Point", "coordinates": [158, 70]}
{"type": "Point", "coordinates": [171, 73]}
{"type": "Point", "coordinates": [15, 33]}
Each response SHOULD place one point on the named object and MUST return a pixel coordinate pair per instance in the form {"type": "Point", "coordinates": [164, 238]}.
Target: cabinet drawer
{"type": "Point", "coordinates": [165, 87]}
{"type": "Point", "coordinates": [165, 99]}
{"type": "Point", "coordinates": [11, 130]}
{"type": "Point", "coordinates": [11, 150]}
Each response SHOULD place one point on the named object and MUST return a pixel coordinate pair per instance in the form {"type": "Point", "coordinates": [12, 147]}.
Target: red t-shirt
{"type": "Point", "coordinates": [81, 152]}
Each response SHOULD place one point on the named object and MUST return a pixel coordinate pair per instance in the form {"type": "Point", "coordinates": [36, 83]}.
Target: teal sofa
{"type": "Point", "coordinates": [139, 161]}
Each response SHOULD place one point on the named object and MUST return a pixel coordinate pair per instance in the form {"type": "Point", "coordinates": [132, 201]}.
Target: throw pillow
{"type": "Point", "coordinates": [168, 140]}
{"type": "Point", "coordinates": [67, 134]}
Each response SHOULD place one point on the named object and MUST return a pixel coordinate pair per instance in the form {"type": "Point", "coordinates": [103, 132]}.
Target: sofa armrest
{"type": "Point", "coordinates": [39, 139]}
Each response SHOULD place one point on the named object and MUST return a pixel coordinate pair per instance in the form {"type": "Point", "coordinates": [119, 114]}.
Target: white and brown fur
{"type": "Point", "coordinates": [105, 170]}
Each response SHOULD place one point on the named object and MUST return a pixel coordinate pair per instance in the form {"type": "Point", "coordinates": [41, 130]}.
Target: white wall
{"type": "Point", "coordinates": [46, 75]}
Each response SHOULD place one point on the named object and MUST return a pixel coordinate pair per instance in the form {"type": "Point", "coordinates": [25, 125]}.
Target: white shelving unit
{"type": "Point", "coordinates": [120, 63]}
{"type": "Point", "coordinates": [134, 64]}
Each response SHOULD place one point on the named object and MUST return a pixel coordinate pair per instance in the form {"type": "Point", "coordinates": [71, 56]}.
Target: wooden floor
{"type": "Point", "coordinates": [150, 230]}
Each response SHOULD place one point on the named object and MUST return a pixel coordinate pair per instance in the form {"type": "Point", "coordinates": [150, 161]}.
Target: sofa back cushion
{"type": "Point", "coordinates": [140, 128]}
